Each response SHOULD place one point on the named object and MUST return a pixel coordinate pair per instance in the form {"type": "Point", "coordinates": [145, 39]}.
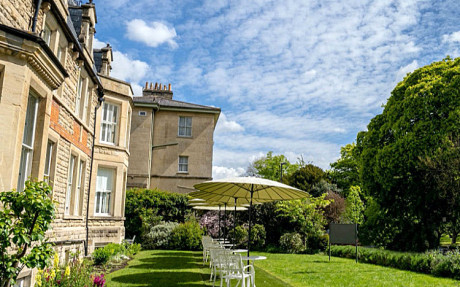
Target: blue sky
{"type": "Point", "coordinates": [296, 77]}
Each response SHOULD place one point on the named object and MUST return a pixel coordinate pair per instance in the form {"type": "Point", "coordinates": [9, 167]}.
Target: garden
{"type": "Point", "coordinates": [399, 182]}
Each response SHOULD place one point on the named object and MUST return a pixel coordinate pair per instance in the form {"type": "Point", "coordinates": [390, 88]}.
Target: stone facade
{"type": "Point", "coordinates": [156, 120]}
{"type": "Point", "coordinates": [50, 111]}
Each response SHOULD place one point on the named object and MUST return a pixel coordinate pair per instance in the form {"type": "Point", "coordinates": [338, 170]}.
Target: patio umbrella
{"type": "Point", "coordinates": [262, 190]}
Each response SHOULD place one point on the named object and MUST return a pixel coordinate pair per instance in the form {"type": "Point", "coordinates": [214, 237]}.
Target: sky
{"type": "Point", "coordinates": [296, 77]}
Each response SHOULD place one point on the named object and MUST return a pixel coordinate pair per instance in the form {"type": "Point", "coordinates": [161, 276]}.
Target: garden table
{"type": "Point", "coordinates": [238, 250]}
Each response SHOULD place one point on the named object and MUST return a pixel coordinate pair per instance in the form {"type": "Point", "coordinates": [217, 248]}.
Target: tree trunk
{"type": "Point", "coordinates": [454, 236]}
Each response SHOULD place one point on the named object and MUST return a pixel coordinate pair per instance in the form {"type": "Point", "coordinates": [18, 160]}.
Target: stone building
{"type": "Point", "coordinates": [172, 141]}
{"type": "Point", "coordinates": [53, 117]}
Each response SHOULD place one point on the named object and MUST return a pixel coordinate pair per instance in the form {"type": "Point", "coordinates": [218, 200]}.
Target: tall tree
{"type": "Point", "coordinates": [305, 178]}
{"type": "Point", "coordinates": [345, 171]}
{"type": "Point", "coordinates": [271, 166]}
{"type": "Point", "coordinates": [420, 117]}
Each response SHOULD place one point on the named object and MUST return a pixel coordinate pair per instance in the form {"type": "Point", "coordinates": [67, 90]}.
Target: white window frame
{"type": "Point", "coordinates": [183, 164]}
{"type": "Point", "coordinates": [47, 174]}
{"type": "Point", "coordinates": [47, 32]}
{"type": "Point", "coordinates": [109, 123]}
{"type": "Point", "coordinates": [70, 191]}
{"type": "Point", "coordinates": [104, 191]}
{"type": "Point", "coordinates": [25, 167]}
{"type": "Point", "coordinates": [80, 187]}
{"type": "Point", "coordinates": [185, 127]}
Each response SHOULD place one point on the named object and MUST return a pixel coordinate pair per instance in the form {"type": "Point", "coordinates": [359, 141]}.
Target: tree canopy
{"type": "Point", "coordinates": [269, 167]}
{"type": "Point", "coordinates": [345, 171]}
{"type": "Point", "coordinates": [421, 116]}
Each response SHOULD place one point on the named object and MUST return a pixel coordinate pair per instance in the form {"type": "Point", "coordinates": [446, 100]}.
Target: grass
{"type": "Point", "coordinates": [185, 268]}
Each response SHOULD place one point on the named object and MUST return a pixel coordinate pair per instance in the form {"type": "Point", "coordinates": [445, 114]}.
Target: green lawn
{"type": "Point", "coordinates": [185, 268]}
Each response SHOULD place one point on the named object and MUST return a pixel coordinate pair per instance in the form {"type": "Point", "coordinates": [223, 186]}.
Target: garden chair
{"type": "Point", "coordinates": [130, 241]}
{"type": "Point", "coordinates": [234, 269]}
{"type": "Point", "coordinates": [217, 263]}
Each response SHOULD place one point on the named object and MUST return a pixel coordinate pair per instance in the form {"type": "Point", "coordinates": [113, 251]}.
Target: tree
{"type": "Point", "coordinates": [345, 171]}
{"type": "Point", "coordinates": [421, 116]}
{"type": "Point", "coordinates": [334, 211]}
{"type": "Point", "coordinates": [443, 174]}
{"type": "Point", "coordinates": [323, 186]}
{"type": "Point", "coordinates": [306, 177]}
{"type": "Point", "coordinates": [354, 206]}
{"type": "Point", "coordinates": [269, 167]}
{"type": "Point", "coordinates": [24, 220]}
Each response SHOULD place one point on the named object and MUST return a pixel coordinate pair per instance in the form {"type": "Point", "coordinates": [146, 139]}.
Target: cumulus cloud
{"type": "Point", "coordinates": [403, 71]}
{"type": "Point", "coordinates": [219, 172]}
{"type": "Point", "coordinates": [128, 69]}
{"type": "Point", "coordinates": [226, 126]}
{"type": "Point", "coordinates": [451, 38]}
{"type": "Point", "coordinates": [98, 44]}
{"type": "Point", "coordinates": [152, 34]}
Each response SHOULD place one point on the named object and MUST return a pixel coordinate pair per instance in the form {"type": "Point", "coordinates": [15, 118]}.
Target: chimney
{"type": "Point", "coordinates": [159, 90]}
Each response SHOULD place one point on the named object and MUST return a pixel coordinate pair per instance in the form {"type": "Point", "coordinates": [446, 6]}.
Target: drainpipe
{"type": "Point", "coordinates": [34, 20]}
{"type": "Point", "coordinates": [100, 99]}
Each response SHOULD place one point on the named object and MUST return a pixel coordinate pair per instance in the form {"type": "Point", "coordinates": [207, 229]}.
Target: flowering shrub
{"type": "Point", "coordinates": [76, 273]}
{"type": "Point", "coordinates": [210, 221]}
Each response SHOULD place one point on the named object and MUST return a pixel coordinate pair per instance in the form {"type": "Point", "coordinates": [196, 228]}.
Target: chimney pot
{"type": "Point", "coordinates": [169, 87]}
{"type": "Point", "coordinates": [146, 85]}
{"type": "Point", "coordinates": [150, 85]}
{"type": "Point", "coordinates": [156, 86]}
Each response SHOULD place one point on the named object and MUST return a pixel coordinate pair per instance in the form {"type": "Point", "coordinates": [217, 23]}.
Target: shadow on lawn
{"type": "Point", "coordinates": [171, 262]}
{"type": "Point", "coordinates": [163, 279]}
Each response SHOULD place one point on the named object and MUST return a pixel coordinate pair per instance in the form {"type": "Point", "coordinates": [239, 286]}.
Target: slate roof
{"type": "Point", "coordinates": [76, 15]}
{"type": "Point", "coordinates": [97, 55]}
{"type": "Point", "coordinates": [162, 102]}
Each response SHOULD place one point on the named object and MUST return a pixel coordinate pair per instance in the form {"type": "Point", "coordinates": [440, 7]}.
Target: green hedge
{"type": "Point", "coordinates": [431, 262]}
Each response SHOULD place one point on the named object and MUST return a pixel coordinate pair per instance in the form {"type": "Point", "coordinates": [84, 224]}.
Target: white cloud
{"type": "Point", "coordinates": [98, 44]}
{"type": "Point", "coordinates": [451, 38]}
{"type": "Point", "coordinates": [226, 126]}
{"type": "Point", "coordinates": [137, 89]}
{"type": "Point", "coordinates": [152, 34]}
{"type": "Point", "coordinates": [219, 172]}
{"type": "Point", "coordinates": [402, 72]}
{"type": "Point", "coordinates": [128, 69]}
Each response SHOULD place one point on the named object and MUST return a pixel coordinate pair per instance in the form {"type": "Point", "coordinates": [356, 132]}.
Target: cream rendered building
{"type": "Point", "coordinates": [172, 141]}
{"type": "Point", "coordinates": [52, 108]}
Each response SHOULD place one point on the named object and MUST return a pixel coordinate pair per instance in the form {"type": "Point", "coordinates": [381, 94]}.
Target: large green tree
{"type": "Point", "coordinates": [269, 167]}
{"type": "Point", "coordinates": [345, 171]}
{"type": "Point", "coordinates": [421, 116]}
{"type": "Point", "coordinates": [306, 177]}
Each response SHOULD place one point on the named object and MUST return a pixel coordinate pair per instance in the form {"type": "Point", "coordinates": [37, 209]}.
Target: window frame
{"type": "Point", "coordinates": [27, 149]}
{"type": "Point", "coordinates": [185, 130]}
{"type": "Point", "coordinates": [107, 209]}
{"type": "Point", "coordinates": [109, 125]}
{"type": "Point", "coordinates": [183, 164]}
{"type": "Point", "coordinates": [50, 160]}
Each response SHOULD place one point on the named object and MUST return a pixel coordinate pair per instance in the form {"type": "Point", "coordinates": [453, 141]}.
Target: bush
{"type": "Point", "coordinates": [101, 256]}
{"type": "Point", "coordinates": [432, 262]}
{"type": "Point", "coordinates": [186, 236]}
{"type": "Point", "coordinates": [317, 243]}
{"type": "Point", "coordinates": [258, 236]}
{"type": "Point", "coordinates": [240, 236]}
{"type": "Point", "coordinates": [291, 242]}
{"type": "Point", "coordinates": [158, 237]}
{"type": "Point", "coordinates": [146, 208]}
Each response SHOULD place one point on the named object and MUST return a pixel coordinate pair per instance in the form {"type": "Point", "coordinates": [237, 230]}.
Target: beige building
{"type": "Point", "coordinates": [172, 141]}
{"type": "Point", "coordinates": [52, 111]}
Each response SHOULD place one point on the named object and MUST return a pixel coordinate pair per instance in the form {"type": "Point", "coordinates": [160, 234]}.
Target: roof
{"type": "Point", "coordinates": [167, 103]}
{"type": "Point", "coordinates": [97, 56]}
{"type": "Point", "coordinates": [76, 15]}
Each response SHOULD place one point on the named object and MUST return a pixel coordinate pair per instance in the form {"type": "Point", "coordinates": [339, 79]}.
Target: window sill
{"type": "Point", "coordinates": [106, 217]}
{"type": "Point", "coordinates": [185, 137]}
{"type": "Point", "coordinates": [72, 217]}
{"type": "Point", "coordinates": [182, 172]}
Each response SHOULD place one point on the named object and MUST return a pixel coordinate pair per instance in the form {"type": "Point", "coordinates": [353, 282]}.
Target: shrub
{"type": "Point", "coordinates": [317, 243]}
{"type": "Point", "coordinates": [146, 208]}
{"type": "Point", "coordinates": [258, 236]}
{"type": "Point", "coordinates": [432, 262]}
{"type": "Point", "coordinates": [133, 249]}
{"type": "Point", "coordinates": [159, 235]}
{"type": "Point", "coordinates": [240, 236]}
{"type": "Point", "coordinates": [291, 242]}
{"type": "Point", "coordinates": [186, 236]}
{"type": "Point", "coordinates": [101, 256]}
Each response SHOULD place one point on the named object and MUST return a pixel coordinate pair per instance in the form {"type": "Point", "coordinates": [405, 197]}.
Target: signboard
{"type": "Point", "coordinates": [343, 234]}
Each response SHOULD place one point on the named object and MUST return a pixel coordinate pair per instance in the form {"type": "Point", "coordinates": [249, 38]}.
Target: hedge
{"type": "Point", "coordinates": [431, 262]}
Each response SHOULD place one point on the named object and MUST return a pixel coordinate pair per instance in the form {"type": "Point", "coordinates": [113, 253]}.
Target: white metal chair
{"type": "Point", "coordinates": [234, 269]}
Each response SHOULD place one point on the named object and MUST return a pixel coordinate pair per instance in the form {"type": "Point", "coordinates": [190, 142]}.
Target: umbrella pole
{"type": "Point", "coordinates": [250, 209]}
{"type": "Point", "coordinates": [225, 222]}
{"type": "Point", "coordinates": [234, 225]}
{"type": "Point", "coordinates": [219, 221]}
